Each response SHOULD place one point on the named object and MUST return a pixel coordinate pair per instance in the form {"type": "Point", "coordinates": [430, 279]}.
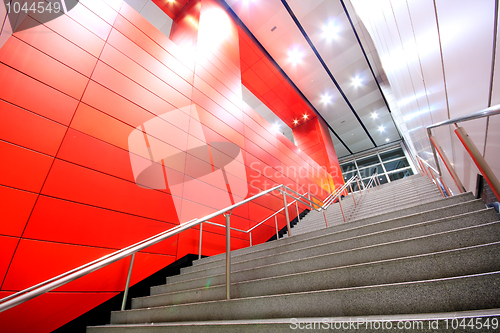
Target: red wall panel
{"type": "Point", "coordinates": [15, 209]}
{"type": "Point", "coordinates": [22, 168]}
{"type": "Point", "coordinates": [42, 100]}
{"type": "Point", "coordinates": [79, 184]}
{"type": "Point", "coordinates": [71, 223]}
{"type": "Point", "coordinates": [30, 130]}
{"type": "Point", "coordinates": [41, 67]}
{"type": "Point", "coordinates": [75, 33]}
{"type": "Point", "coordinates": [7, 248]}
{"type": "Point", "coordinates": [59, 48]}
{"type": "Point", "coordinates": [91, 21]}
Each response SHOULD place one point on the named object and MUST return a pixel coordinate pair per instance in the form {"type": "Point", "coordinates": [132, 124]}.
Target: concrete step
{"type": "Point", "coordinates": [439, 203]}
{"type": "Point", "coordinates": [414, 209]}
{"type": "Point", "coordinates": [449, 263]}
{"type": "Point", "coordinates": [365, 207]}
{"type": "Point", "coordinates": [402, 187]}
{"type": "Point", "coordinates": [416, 322]}
{"type": "Point", "coordinates": [259, 267]}
{"type": "Point", "coordinates": [344, 226]}
{"type": "Point", "coordinates": [462, 293]}
{"type": "Point", "coordinates": [352, 229]}
{"type": "Point", "coordinates": [362, 211]}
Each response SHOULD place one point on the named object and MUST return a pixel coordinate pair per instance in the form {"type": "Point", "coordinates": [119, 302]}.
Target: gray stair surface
{"type": "Point", "coordinates": [404, 253]}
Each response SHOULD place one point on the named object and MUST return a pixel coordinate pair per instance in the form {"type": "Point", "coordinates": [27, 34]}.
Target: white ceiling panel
{"type": "Point", "coordinates": [326, 63]}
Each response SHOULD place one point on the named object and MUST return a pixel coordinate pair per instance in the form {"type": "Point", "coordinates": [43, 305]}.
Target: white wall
{"type": "Point", "coordinates": [439, 60]}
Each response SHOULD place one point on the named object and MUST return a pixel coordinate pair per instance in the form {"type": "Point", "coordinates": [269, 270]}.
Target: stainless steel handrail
{"type": "Point", "coordinates": [469, 145]}
{"type": "Point", "coordinates": [427, 164]}
{"type": "Point", "coordinates": [255, 226]}
{"type": "Point", "coordinates": [338, 192]}
{"type": "Point", "coordinates": [62, 279]}
{"type": "Point", "coordinates": [491, 111]}
{"type": "Point", "coordinates": [438, 180]}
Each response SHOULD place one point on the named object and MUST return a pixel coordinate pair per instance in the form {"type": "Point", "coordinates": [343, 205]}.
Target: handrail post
{"type": "Point", "coordinates": [448, 165]}
{"type": "Point", "coordinates": [127, 284]}
{"type": "Point", "coordinates": [422, 169]}
{"type": "Point", "coordinates": [446, 187]}
{"type": "Point", "coordinates": [428, 172]}
{"type": "Point", "coordinates": [250, 238]}
{"type": "Point", "coordinates": [436, 182]}
{"type": "Point", "coordinates": [341, 209]}
{"type": "Point", "coordinates": [352, 193]}
{"type": "Point", "coordinates": [276, 224]}
{"type": "Point", "coordinates": [199, 246]}
{"type": "Point", "coordinates": [480, 162]}
{"type": "Point", "coordinates": [297, 207]}
{"type": "Point", "coordinates": [359, 187]}
{"type": "Point", "coordinates": [286, 214]}
{"type": "Point", "coordinates": [326, 221]}
{"type": "Point", "coordinates": [228, 256]}
{"type": "Point", "coordinates": [434, 148]}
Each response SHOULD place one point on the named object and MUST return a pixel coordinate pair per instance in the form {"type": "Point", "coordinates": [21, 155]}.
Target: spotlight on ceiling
{"type": "Point", "coordinates": [295, 122]}
{"type": "Point", "coordinates": [331, 30]}
{"type": "Point", "coordinates": [306, 116]}
{"type": "Point", "coordinates": [326, 99]}
{"type": "Point", "coordinates": [276, 127]}
{"type": "Point", "coordinates": [387, 140]}
{"type": "Point", "coordinates": [295, 55]}
{"type": "Point", "coordinates": [381, 128]}
{"type": "Point", "coordinates": [374, 115]}
{"type": "Point", "coordinates": [357, 81]}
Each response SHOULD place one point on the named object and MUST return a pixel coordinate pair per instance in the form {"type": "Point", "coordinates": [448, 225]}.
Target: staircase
{"type": "Point", "coordinates": [405, 253]}
{"type": "Point", "coordinates": [391, 196]}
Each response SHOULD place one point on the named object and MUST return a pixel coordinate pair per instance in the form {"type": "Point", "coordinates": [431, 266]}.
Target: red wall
{"type": "Point", "coordinates": [72, 91]}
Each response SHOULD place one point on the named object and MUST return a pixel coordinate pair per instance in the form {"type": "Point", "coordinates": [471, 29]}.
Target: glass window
{"type": "Point", "coordinates": [400, 174]}
{"type": "Point", "coordinates": [347, 167]}
{"type": "Point", "coordinates": [382, 179]}
{"type": "Point", "coordinates": [399, 164]}
{"type": "Point", "coordinates": [355, 187]}
{"type": "Point", "coordinates": [348, 175]}
{"type": "Point", "coordinates": [368, 172]}
{"type": "Point", "coordinates": [390, 155]}
{"type": "Point", "coordinates": [367, 161]}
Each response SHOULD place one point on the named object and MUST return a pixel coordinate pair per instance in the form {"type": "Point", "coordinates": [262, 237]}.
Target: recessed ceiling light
{"type": "Point", "coordinates": [331, 30]}
{"type": "Point", "coordinates": [374, 115]}
{"type": "Point", "coordinates": [387, 140]}
{"type": "Point", "coordinates": [357, 81]}
{"type": "Point", "coordinates": [381, 128]}
{"type": "Point", "coordinates": [295, 122]}
{"type": "Point", "coordinates": [306, 116]}
{"type": "Point", "coordinates": [276, 127]}
{"type": "Point", "coordinates": [326, 99]}
{"type": "Point", "coordinates": [170, 1]}
{"type": "Point", "coordinates": [295, 55]}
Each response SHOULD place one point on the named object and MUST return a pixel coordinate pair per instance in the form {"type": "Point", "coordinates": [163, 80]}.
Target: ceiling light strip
{"type": "Point", "coordinates": [369, 64]}
{"type": "Point", "coordinates": [271, 59]}
{"type": "Point", "coordinates": [304, 33]}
